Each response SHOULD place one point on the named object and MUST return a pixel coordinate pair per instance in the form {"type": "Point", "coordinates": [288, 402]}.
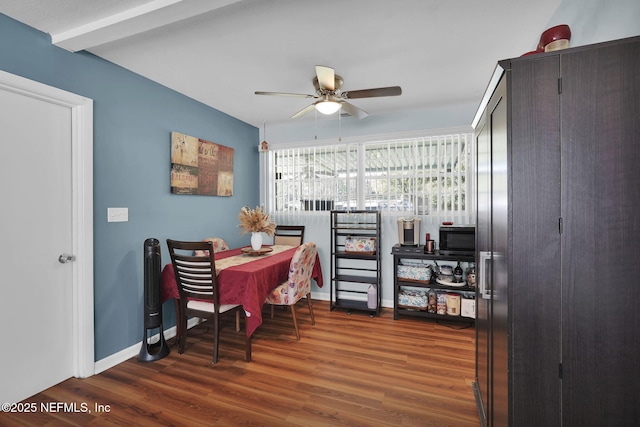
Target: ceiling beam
{"type": "Point", "coordinates": [148, 16]}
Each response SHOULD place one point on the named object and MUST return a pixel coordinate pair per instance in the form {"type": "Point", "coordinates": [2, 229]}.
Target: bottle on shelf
{"type": "Point", "coordinates": [435, 272]}
{"type": "Point", "coordinates": [432, 301]}
{"type": "Point", "coordinates": [372, 297]}
{"type": "Point", "coordinates": [457, 273]}
{"type": "Point", "coordinates": [471, 276]}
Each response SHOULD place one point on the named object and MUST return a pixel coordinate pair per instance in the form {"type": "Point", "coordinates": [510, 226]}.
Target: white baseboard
{"type": "Point", "coordinates": [132, 351]}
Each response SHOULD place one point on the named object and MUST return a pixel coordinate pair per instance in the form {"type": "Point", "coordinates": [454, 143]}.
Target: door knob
{"type": "Point", "coordinates": [65, 258]}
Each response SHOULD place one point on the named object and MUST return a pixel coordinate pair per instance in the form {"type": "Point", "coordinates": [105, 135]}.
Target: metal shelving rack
{"type": "Point", "coordinates": [399, 283]}
{"type": "Point", "coordinates": [352, 273]}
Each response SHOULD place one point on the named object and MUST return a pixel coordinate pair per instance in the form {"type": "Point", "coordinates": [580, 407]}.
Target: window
{"type": "Point", "coordinates": [428, 176]}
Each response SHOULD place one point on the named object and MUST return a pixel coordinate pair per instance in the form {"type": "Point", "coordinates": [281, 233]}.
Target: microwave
{"type": "Point", "coordinates": [460, 240]}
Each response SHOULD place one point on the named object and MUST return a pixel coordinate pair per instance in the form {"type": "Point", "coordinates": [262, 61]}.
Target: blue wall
{"type": "Point", "coordinates": [133, 119]}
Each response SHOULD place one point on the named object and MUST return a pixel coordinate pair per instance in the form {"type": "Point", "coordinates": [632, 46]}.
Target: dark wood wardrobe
{"type": "Point", "coordinates": [558, 239]}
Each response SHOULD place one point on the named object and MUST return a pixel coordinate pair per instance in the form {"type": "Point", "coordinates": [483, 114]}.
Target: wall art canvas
{"type": "Point", "coordinates": [200, 167]}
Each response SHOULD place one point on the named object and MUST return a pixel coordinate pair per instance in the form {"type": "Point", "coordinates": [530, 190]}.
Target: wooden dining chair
{"type": "Point", "coordinates": [298, 285]}
{"type": "Point", "coordinates": [198, 288]}
{"type": "Point", "coordinates": [291, 235]}
{"type": "Point", "coordinates": [219, 245]}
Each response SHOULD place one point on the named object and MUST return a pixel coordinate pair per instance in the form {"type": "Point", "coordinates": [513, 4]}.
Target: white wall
{"type": "Point", "coordinates": [328, 128]}
{"type": "Point", "coordinates": [595, 21]}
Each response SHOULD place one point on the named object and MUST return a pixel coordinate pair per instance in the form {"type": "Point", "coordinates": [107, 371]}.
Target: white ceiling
{"type": "Point", "coordinates": [220, 52]}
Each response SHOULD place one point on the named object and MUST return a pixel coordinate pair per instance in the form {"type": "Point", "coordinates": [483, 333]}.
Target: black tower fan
{"type": "Point", "coordinates": [152, 304]}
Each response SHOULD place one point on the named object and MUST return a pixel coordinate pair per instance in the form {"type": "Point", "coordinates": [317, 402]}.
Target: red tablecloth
{"type": "Point", "coordinates": [247, 284]}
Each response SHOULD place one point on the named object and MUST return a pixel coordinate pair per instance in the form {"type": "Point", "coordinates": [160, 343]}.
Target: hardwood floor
{"type": "Point", "coordinates": [348, 370]}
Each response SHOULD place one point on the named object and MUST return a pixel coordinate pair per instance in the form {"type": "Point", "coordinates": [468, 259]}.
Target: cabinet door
{"type": "Point", "coordinates": [601, 208]}
{"type": "Point", "coordinates": [483, 234]}
{"type": "Point", "coordinates": [534, 272]}
{"type": "Point", "coordinates": [498, 274]}
{"type": "Point", "coordinates": [492, 308]}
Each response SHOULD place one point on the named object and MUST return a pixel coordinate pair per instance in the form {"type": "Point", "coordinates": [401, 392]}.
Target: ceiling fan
{"type": "Point", "coordinates": [331, 98]}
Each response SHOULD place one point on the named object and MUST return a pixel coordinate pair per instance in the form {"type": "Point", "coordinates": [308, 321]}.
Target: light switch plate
{"type": "Point", "coordinates": [117, 214]}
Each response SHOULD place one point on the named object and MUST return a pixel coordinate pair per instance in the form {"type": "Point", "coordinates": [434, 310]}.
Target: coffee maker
{"type": "Point", "coordinates": [409, 231]}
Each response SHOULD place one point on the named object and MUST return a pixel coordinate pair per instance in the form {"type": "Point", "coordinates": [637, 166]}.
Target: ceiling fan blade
{"type": "Point", "coordinates": [372, 93]}
{"type": "Point", "coordinates": [304, 111]}
{"type": "Point", "coordinates": [298, 95]}
{"type": "Point", "coordinates": [353, 110]}
{"type": "Point", "coordinates": [326, 77]}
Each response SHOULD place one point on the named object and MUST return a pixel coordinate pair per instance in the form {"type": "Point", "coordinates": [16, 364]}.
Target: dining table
{"type": "Point", "coordinates": [245, 277]}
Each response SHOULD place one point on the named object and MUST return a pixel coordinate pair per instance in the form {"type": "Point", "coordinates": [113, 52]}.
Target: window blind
{"type": "Point", "coordinates": [427, 176]}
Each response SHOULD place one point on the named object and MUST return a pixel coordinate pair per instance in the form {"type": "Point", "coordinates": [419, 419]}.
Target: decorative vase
{"type": "Point", "coordinates": [256, 240]}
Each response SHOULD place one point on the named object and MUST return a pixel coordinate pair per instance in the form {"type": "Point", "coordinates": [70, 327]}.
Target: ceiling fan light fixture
{"type": "Point", "coordinates": [330, 98]}
{"type": "Point", "coordinates": [328, 107]}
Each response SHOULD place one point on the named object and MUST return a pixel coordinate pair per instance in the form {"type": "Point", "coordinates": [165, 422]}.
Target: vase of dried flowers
{"type": "Point", "coordinates": [256, 240]}
{"type": "Point", "coordinates": [256, 221]}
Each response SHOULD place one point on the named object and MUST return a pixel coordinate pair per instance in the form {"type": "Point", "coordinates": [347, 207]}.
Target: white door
{"type": "Point", "coordinates": [36, 302]}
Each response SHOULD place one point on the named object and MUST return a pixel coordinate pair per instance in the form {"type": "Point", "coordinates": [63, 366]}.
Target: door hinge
{"type": "Point", "coordinates": [559, 85]}
{"type": "Point", "coordinates": [560, 370]}
{"type": "Point", "coordinates": [560, 225]}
